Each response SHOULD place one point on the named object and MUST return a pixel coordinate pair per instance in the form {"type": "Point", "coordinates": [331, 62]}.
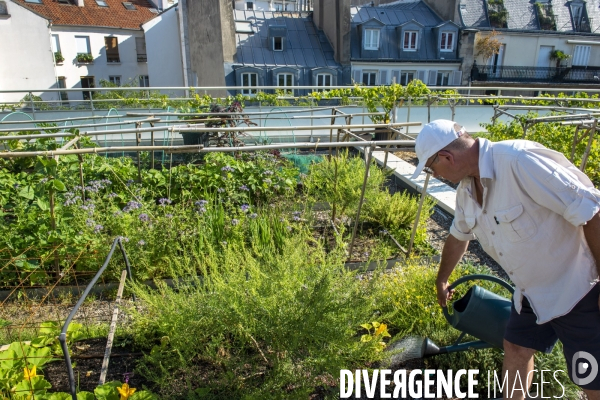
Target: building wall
{"type": "Point", "coordinates": [211, 39]}
{"type": "Point", "coordinates": [267, 5]}
{"type": "Point", "coordinates": [163, 46]}
{"type": "Point", "coordinates": [129, 69]}
{"type": "Point", "coordinates": [387, 71]}
{"type": "Point", "coordinates": [27, 61]}
{"type": "Point", "coordinates": [333, 18]}
{"type": "Point", "coordinates": [522, 49]}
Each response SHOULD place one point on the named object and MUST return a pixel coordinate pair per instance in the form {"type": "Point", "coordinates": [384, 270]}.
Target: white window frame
{"type": "Point", "coordinates": [371, 39]}
{"type": "Point", "coordinates": [322, 81]}
{"type": "Point", "coordinates": [249, 79]}
{"type": "Point", "coordinates": [34, 1]}
{"type": "Point", "coordinates": [447, 42]}
{"type": "Point", "coordinates": [371, 78]}
{"type": "Point", "coordinates": [280, 42]}
{"type": "Point", "coordinates": [405, 75]}
{"type": "Point", "coordinates": [410, 46]}
{"type": "Point", "coordinates": [144, 81]}
{"type": "Point", "coordinates": [79, 41]}
{"type": "Point", "coordinates": [55, 44]}
{"type": "Point", "coordinates": [115, 79]}
{"type": "Point", "coordinates": [441, 75]}
{"type": "Point", "coordinates": [288, 80]}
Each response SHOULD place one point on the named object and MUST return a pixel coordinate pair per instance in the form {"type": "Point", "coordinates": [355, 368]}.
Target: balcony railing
{"type": "Point", "coordinates": [536, 74]}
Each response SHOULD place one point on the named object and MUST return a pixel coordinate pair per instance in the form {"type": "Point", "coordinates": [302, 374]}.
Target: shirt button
{"type": "Point", "coordinates": [522, 289]}
{"type": "Point", "coordinates": [510, 273]}
{"type": "Point", "coordinates": [500, 254]}
{"type": "Point", "coordinates": [485, 211]}
{"type": "Point", "coordinates": [493, 233]}
{"type": "Point", "coordinates": [573, 187]}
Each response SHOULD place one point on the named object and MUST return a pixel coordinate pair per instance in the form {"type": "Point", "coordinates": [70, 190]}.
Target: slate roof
{"type": "Point", "coordinates": [393, 16]}
{"type": "Point", "coordinates": [91, 14]}
{"type": "Point", "coordinates": [305, 46]}
{"type": "Point", "coordinates": [522, 14]}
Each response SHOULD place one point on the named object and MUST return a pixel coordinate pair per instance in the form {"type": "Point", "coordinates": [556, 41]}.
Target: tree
{"type": "Point", "coordinates": [488, 46]}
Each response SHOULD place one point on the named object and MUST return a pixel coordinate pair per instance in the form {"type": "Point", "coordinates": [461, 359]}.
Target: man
{"type": "Point", "coordinates": [538, 216]}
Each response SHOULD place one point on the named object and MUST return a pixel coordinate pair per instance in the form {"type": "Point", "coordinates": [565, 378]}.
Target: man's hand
{"type": "Point", "coordinates": [443, 294]}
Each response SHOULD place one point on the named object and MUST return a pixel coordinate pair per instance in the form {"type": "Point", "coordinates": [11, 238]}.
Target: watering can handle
{"type": "Point", "coordinates": [484, 277]}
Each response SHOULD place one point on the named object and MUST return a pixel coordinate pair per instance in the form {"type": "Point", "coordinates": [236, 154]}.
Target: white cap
{"type": "Point", "coordinates": [434, 137]}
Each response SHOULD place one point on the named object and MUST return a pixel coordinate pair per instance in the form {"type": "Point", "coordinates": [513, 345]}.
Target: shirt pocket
{"type": "Point", "coordinates": [471, 222]}
{"type": "Point", "coordinates": [515, 224]}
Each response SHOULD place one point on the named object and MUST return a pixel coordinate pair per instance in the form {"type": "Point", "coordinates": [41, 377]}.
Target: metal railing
{"type": "Point", "coordinates": [507, 73]}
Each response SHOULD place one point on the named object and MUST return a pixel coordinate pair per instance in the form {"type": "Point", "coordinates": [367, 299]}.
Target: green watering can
{"type": "Point", "coordinates": [479, 313]}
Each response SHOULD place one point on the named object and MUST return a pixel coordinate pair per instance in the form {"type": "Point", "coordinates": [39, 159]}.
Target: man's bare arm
{"type": "Point", "coordinates": [451, 255]}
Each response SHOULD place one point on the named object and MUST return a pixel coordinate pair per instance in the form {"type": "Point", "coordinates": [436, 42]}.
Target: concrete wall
{"type": "Point", "coordinates": [522, 49]}
{"type": "Point", "coordinates": [27, 61]}
{"type": "Point", "coordinates": [333, 18]}
{"type": "Point", "coordinates": [211, 39]}
{"type": "Point", "coordinates": [129, 69]}
{"type": "Point", "coordinates": [466, 51]}
{"type": "Point", "coordinates": [163, 47]}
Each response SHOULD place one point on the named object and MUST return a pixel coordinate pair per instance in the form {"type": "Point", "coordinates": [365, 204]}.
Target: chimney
{"type": "Point", "coordinates": [79, 3]}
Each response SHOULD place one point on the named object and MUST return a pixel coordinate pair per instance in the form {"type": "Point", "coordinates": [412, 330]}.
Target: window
{"type": "Point", "coordinates": [447, 41]}
{"type": "Point", "coordinates": [249, 5]}
{"type": "Point", "coordinates": [87, 82]}
{"type": "Point", "coordinates": [249, 79]}
{"type": "Point", "coordinates": [112, 49]}
{"type": "Point", "coordinates": [101, 3]}
{"type": "Point", "coordinates": [83, 44]}
{"type": "Point", "coordinates": [577, 14]}
{"type": "Point", "coordinates": [277, 43]}
{"type": "Point", "coordinates": [443, 78]}
{"type": "Point", "coordinates": [144, 81]}
{"type": "Point", "coordinates": [323, 80]}
{"type": "Point", "coordinates": [115, 80]}
{"type": "Point", "coordinates": [62, 84]}
{"type": "Point", "coordinates": [55, 44]}
{"type": "Point", "coordinates": [286, 80]}
{"type": "Point", "coordinates": [64, 1]}
{"type": "Point", "coordinates": [34, 1]}
{"type": "Point", "coordinates": [278, 7]}
{"type": "Point", "coordinates": [140, 48]}
{"type": "Point", "coordinates": [406, 77]}
{"type": "Point", "coordinates": [410, 40]}
{"type": "Point", "coordinates": [581, 56]}
{"type": "Point", "coordinates": [128, 5]}
{"type": "Point", "coordinates": [369, 78]}
{"type": "Point", "coordinates": [371, 39]}
{"type": "Point", "coordinates": [3, 8]}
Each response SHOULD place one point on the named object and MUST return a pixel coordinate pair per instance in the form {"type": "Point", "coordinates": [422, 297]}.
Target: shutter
{"type": "Point", "coordinates": [432, 80]}
{"type": "Point", "coordinates": [421, 76]}
{"type": "Point", "coordinates": [396, 76]}
{"type": "Point", "coordinates": [456, 79]}
{"type": "Point", "coordinates": [140, 48]}
{"type": "Point", "coordinates": [581, 55]}
{"type": "Point", "coordinates": [357, 77]}
{"type": "Point", "coordinates": [383, 80]}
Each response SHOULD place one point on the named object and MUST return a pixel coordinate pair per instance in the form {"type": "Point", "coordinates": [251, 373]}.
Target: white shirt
{"type": "Point", "coordinates": [535, 203]}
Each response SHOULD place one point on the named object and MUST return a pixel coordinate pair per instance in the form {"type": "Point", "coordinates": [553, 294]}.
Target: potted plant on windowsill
{"type": "Point", "coordinates": [58, 57]}
{"type": "Point", "coordinates": [85, 58]}
{"type": "Point", "coordinates": [559, 56]}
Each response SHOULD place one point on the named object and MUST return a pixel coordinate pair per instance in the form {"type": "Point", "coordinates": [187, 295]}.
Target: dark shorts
{"type": "Point", "coordinates": [579, 331]}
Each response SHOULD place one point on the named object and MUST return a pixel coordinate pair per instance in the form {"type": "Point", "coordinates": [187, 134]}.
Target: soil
{"type": "Point", "coordinates": [87, 357]}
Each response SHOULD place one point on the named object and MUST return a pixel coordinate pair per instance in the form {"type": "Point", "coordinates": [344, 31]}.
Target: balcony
{"type": "Point", "coordinates": [535, 74]}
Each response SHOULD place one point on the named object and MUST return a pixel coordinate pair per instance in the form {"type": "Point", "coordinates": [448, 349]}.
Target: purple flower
{"type": "Point", "coordinates": [169, 215]}
{"type": "Point", "coordinates": [227, 168]}
{"type": "Point", "coordinates": [129, 182]}
{"type": "Point", "coordinates": [201, 203]}
{"type": "Point", "coordinates": [268, 172]}
{"type": "Point", "coordinates": [132, 205]}
{"type": "Point", "coordinates": [124, 239]}
{"type": "Point", "coordinates": [224, 243]}
{"type": "Point", "coordinates": [43, 180]}
{"type": "Point", "coordinates": [268, 181]}
{"type": "Point", "coordinates": [163, 202]}
{"type": "Point", "coordinates": [253, 215]}
{"type": "Point", "coordinates": [275, 187]}
{"type": "Point", "coordinates": [89, 222]}
{"type": "Point", "coordinates": [98, 228]}
{"type": "Point", "coordinates": [144, 217]}
{"type": "Point", "coordinates": [71, 201]}
{"type": "Point", "coordinates": [289, 228]}
{"type": "Point", "coordinates": [234, 222]}
{"type": "Point", "coordinates": [244, 187]}
{"type": "Point", "coordinates": [296, 218]}
{"type": "Point", "coordinates": [245, 207]}
{"type": "Point", "coordinates": [112, 195]}
{"type": "Point", "coordinates": [220, 190]}
{"type": "Point", "coordinates": [117, 213]}
{"type": "Point", "coordinates": [141, 243]}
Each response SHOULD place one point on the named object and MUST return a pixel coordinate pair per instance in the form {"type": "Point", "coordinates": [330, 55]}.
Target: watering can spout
{"type": "Point", "coordinates": [481, 313]}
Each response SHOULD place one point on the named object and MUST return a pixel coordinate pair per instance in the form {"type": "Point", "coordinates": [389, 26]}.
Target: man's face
{"type": "Point", "coordinates": [443, 165]}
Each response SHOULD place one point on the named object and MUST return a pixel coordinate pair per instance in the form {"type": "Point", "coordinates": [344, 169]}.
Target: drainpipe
{"type": "Point", "coordinates": [181, 16]}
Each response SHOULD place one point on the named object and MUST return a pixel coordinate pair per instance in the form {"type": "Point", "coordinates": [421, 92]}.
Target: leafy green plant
{"type": "Point", "coordinates": [85, 58]}
{"type": "Point", "coordinates": [58, 57]}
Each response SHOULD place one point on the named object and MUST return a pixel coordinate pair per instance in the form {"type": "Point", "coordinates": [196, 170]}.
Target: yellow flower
{"type": "Point", "coordinates": [29, 373]}
{"type": "Point", "coordinates": [125, 391]}
{"type": "Point", "coordinates": [380, 329]}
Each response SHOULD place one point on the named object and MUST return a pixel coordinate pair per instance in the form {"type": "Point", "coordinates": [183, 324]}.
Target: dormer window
{"type": "Point", "coordinates": [277, 43]}
{"type": "Point", "coordinates": [249, 5]}
{"type": "Point", "coordinates": [129, 5]}
{"type": "Point", "coordinates": [371, 39]}
{"type": "Point", "coordinates": [447, 41]}
{"type": "Point", "coordinates": [578, 16]}
{"type": "Point", "coordinates": [409, 43]}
